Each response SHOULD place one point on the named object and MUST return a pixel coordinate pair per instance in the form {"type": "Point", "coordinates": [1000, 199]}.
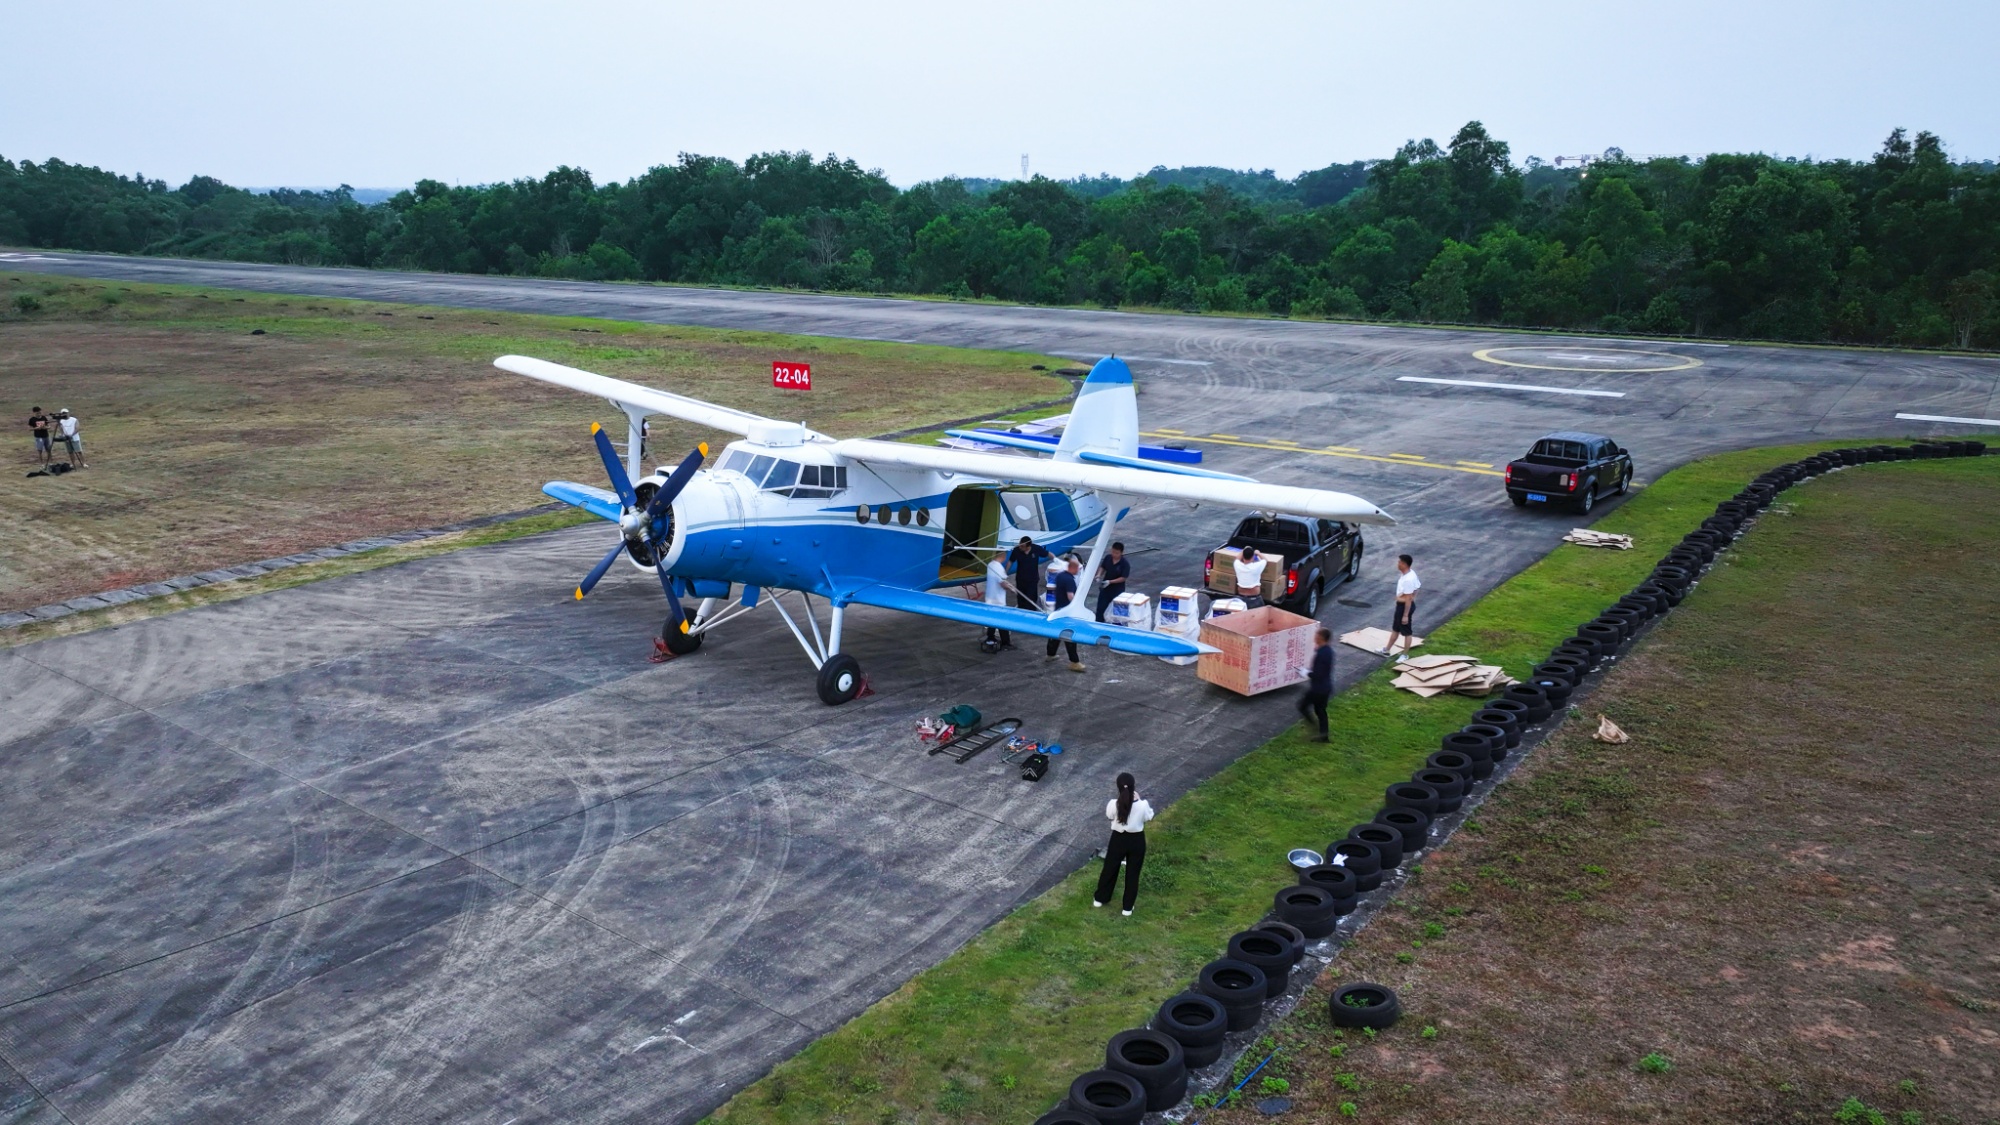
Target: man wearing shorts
{"type": "Point", "coordinates": [39, 422]}
{"type": "Point", "coordinates": [1407, 586]}
{"type": "Point", "coordinates": [72, 437]}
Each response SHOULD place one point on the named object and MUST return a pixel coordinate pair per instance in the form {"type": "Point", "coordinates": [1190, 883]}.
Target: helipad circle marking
{"type": "Point", "coordinates": [1585, 355]}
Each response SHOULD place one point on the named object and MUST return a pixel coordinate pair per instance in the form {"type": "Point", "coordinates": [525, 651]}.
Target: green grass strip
{"type": "Point", "coordinates": [995, 1032]}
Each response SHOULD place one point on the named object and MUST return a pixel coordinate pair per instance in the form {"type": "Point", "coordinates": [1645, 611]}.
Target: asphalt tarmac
{"type": "Point", "coordinates": [436, 842]}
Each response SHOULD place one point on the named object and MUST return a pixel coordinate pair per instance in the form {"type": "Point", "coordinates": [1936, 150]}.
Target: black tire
{"type": "Point", "coordinates": [1451, 761]}
{"type": "Point", "coordinates": [1268, 952]}
{"type": "Point", "coordinates": [1548, 670]}
{"type": "Point", "coordinates": [678, 642]}
{"type": "Point", "coordinates": [1156, 1060]}
{"type": "Point", "coordinates": [1354, 563]}
{"type": "Point", "coordinates": [839, 680]}
{"type": "Point", "coordinates": [1309, 907]}
{"type": "Point", "coordinates": [1607, 636]}
{"type": "Point", "coordinates": [1535, 698]}
{"type": "Point", "coordinates": [1630, 618]}
{"type": "Point", "coordinates": [1335, 880]}
{"type": "Point", "coordinates": [1198, 1022]}
{"type": "Point", "coordinates": [1239, 987]}
{"type": "Point", "coordinates": [1414, 825]}
{"type": "Point", "coordinates": [1477, 745]}
{"type": "Point", "coordinates": [1293, 938]}
{"type": "Point", "coordinates": [1588, 500]}
{"type": "Point", "coordinates": [1388, 842]}
{"type": "Point", "coordinates": [1496, 746]}
{"type": "Point", "coordinates": [1410, 795]}
{"type": "Point", "coordinates": [1520, 499]}
{"type": "Point", "coordinates": [1579, 666]}
{"type": "Point", "coordinates": [1557, 691]}
{"type": "Point", "coordinates": [1067, 1116]}
{"type": "Point", "coordinates": [1514, 706]}
{"type": "Point", "coordinates": [1508, 723]}
{"type": "Point", "coordinates": [1624, 481]}
{"type": "Point", "coordinates": [1450, 788]}
{"type": "Point", "coordinates": [1312, 595]}
{"type": "Point", "coordinates": [1113, 1097]}
{"type": "Point", "coordinates": [1364, 859]}
{"type": "Point", "coordinates": [1364, 1005]}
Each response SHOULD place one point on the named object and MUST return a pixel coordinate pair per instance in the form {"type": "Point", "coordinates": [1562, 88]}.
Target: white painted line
{"type": "Point", "coordinates": [1510, 387]}
{"type": "Point", "coordinates": [1948, 418]}
{"type": "Point", "coordinates": [1133, 358]}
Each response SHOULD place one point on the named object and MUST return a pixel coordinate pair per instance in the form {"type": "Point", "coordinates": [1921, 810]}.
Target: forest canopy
{"type": "Point", "coordinates": [1903, 248]}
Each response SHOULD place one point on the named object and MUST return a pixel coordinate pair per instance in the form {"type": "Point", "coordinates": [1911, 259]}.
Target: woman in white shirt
{"type": "Point", "coordinates": [1128, 814]}
{"type": "Point", "coordinates": [996, 594]}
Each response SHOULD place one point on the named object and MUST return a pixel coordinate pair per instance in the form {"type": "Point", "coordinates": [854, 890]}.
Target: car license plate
{"type": "Point", "coordinates": [1538, 498]}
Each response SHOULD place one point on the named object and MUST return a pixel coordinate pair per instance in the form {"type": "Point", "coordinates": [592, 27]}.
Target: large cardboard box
{"type": "Point", "coordinates": [1134, 611]}
{"type": "Point", "coordinates": [1258, 650]}
{"type": "Point", "coordinates": [1178, 606]}
{"type": "Point", "coordinates": [1222, 576]}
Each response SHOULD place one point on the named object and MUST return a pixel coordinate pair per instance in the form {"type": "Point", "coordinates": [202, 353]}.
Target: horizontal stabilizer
{"type": "Point", "coordinates": [1118, 638]}
{"type": "Point", "coordinates": [1096, 458]}
{"type": "Point", "coordinates": [599, 502]}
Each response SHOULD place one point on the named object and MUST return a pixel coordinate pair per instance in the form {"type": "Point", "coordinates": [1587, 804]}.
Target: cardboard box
{"type": "Point", "coordinates": [1222, 576]}
{"type": "Point", "coordinates": [1134, 611]}
{"type": "Point", "coordinates": [1258, 650]}
{"type": "Point", "coordinates": [1176, 605]}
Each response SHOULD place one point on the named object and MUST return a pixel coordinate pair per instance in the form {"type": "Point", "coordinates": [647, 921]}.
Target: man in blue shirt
{"type": "Point", "coordinates": [1114, 570]}
{"type": "Point", "coordinates": [1024, 562]}
{"type": "Point", "coordinates": [1319, 682]}
{"type": "Point", "coordinates": [1062, 581]}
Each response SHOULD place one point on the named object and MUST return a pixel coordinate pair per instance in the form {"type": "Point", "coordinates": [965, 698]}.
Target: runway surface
{"type": "Point", "coordinates": [435, 842]}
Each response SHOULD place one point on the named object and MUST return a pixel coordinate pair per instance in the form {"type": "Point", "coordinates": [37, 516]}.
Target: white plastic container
{"type": "Point", "coordinates": [1134, 611]}
{"type": "Point", "coordinates": [1221, 606]}
{"type": "Point", "coordinates": [1177, 605]}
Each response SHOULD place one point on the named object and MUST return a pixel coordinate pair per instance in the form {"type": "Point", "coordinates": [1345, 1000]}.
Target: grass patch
{"type": "Point", "coordinates": [211, 446]}
{"type": "Point", "coordinates": [1038, 994]}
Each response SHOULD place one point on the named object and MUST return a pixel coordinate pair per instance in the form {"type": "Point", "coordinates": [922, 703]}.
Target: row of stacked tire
{"type": "Point", "coordinates": [1146, 1069]}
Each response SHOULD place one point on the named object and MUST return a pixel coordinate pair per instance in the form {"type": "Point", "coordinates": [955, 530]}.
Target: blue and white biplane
{"type": "Point", "coordinates": [881, 523]}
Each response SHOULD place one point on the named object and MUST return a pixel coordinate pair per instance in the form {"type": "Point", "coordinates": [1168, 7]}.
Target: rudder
{"type": "Point", "coordinates": [1105, 416]}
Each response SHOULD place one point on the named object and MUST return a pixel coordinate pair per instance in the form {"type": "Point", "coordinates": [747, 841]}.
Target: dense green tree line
{"type": "Point", "coordinates": [1903, 248]}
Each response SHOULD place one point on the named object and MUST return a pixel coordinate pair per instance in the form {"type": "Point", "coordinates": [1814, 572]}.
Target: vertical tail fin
{"type": "Point", "coordinates": [1105, 416]}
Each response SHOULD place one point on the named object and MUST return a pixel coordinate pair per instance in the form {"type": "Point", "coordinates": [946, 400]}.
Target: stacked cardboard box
{"type": "Point", "coordinates": [1257, 650]}
{"type": "Point", "coordinates": [1179, 614]}
{"type": "Point", "coordinates": [1134, 611]}
{"type": "Point", "coordinates": [1464, 675]}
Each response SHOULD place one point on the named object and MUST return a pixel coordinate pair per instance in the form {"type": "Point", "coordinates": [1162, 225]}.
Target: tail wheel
{"type": "Point", "coordinates": [680, 643]}
{"type": "Point", "coordinates": [839, 680]}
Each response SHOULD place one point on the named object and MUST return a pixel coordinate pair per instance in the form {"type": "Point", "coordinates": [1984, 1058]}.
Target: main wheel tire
{"type": "Point", "coordinates": [839, 680]}
{"type": "Point", "coordinates": [678, 642]}
{"type": "Point", "coordinates": [1156, 1060]}
{"type": "Point", "coordinates": [1268, 952]}
{"type": "Point", "coordinates": [1364, 1005]}
{"type": "Point", "coordinates": [1113, 1097]}
{"type": "Point", "coordinates": [1588, 501]}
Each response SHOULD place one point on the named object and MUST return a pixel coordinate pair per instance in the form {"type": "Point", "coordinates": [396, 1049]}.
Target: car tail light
{"type": "Point", "coordinates": [1292, 581]}
{"type": "Point", "coordinates": [1510, 474]}
{"type": "Point", "coordinates": [1569, 481]}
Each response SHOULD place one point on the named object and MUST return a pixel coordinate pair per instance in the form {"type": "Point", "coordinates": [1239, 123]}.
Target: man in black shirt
{"type": "Point", "coordinates": [1319, 682]}
{"type": "Point", "coordinates": [1062, 580]}
{"type": "Point", "coordinates": [1024, 562]}
{"type": "Point", "coordinates": [39, 422]}
{"type": "Point", "coordinates": [1114, 570]}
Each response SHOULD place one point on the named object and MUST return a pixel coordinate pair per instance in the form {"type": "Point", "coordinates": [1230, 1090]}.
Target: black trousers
{"type": "Point", "coordinates": [1131, 848]}
{"type": "Point", "coordinates": [1105, 596]}
{"type": "Point", "coordinates": [999, 636]}
{"type": "Point", "coordinates": [1070, 645]}
{"type": "Point", "coordinates": [1313, 706]}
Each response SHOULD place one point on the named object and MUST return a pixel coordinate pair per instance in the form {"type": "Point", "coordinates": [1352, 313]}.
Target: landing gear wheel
{"type": "Point", "coordinates": [839, 680]}
{"type": "Point", "coordinates": [677, 642]}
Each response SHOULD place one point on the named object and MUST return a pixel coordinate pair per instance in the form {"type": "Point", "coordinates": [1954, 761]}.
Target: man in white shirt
{"type": "Point", "coordinates": [1250, 577]}
{"type": "Point", "coordinates": [72, 437]}
{"type": "Point", "coordinates": [1407, 586]}
{"type": "Point", "coordinates": [996, 594]}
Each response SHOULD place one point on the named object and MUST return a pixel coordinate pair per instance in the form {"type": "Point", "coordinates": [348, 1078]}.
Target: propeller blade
{"type": "Point", "coordinates": [613, 467]}
{"type": "Point", "coordinates": [667, 583]}
{"type": "Point", "coordinates": [597, 572]}
{"type": "Point", "coordinates": [683, 473]}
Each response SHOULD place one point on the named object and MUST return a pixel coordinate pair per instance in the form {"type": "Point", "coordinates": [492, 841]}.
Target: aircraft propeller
{"type": "Point", "coordinates": [643, 529]}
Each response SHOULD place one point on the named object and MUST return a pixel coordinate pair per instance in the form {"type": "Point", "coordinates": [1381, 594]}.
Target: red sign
{"type": "Point", "coordinates": [791, 376]}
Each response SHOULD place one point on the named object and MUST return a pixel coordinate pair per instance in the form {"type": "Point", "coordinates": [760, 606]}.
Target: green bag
{"type": "Point", "coordinates": [964, 716]}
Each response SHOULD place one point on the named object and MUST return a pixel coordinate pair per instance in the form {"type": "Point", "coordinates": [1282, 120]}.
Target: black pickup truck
{"type": "Point", "coordinates": [1318, 554]}
{"type": "Point", "coordinates": [1570, 468]}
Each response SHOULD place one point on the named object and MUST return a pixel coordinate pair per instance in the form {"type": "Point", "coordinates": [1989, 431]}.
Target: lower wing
{"type": "Point", "coordinates": [599, 502]}
{"type": "Point", "coordinates": [1117, 638]}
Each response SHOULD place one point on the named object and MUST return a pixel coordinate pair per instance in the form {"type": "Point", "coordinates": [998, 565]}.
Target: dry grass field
{"type": "Point", "coordinates": [210, 444]}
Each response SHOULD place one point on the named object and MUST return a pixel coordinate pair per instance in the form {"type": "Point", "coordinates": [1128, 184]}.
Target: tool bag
{"type": "Point", "coordinates": [964, 717]}
{"type": "Point", "coordinates": [1034, 767]}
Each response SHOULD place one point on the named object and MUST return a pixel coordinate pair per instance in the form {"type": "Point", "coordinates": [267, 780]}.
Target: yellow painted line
{"type": "Point", "coordinates": [1478, 464]}
{"type": "Point", "coordinates": [1281, 441]}
{"type": "Point", "coordinates": [1409, 456]}
{"type": "Point", "coordinates": [1343, 449]}
{"type": "Point", "coordinates": [1491, 355]}
{"type": "Point", "coordinates": [1220, 439]}
{"type": "Point", "coordinates": [1164, 430]}
{"type": "Point", "coordinates": [1226, 437]}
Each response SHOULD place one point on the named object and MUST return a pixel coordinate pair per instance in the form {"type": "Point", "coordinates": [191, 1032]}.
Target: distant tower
{"type": "Point", "coordinates": [1024, 165]}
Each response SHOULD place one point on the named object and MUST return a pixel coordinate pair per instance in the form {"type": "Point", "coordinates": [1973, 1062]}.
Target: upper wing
{"type": "Point", "coordinates": [1118, 479]}
{"type": "Point", "coordinates": [645, 398]}
{"type": "Point", "coordinates": [1118, 638]}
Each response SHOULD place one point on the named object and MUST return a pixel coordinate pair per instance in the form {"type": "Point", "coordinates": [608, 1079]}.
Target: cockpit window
{"type": "Point", "coordinates": [758, 467]}
{"type": "Point", "coordinates": [783, 476]}
{"type": "Point", "coordinates": [736, 461]}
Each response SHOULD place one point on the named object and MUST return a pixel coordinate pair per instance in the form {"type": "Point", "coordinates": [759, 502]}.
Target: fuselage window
{"type": "Point", "coordinates": [1058, 511]}
{"type": "Point", "coordinates": [861, 513]}
{"type": "Point", "coordinates": [903, 515]}
{"type": "Point", "coordinates": [882, 514]}
{"type": "Point", "coordinates": [1024, 510]}
{"type": "Point", "coordinates": [923, 517]}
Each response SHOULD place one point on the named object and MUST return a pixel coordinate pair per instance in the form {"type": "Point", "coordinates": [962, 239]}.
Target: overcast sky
{"type": "Point", "coordinates": [379, 94]}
